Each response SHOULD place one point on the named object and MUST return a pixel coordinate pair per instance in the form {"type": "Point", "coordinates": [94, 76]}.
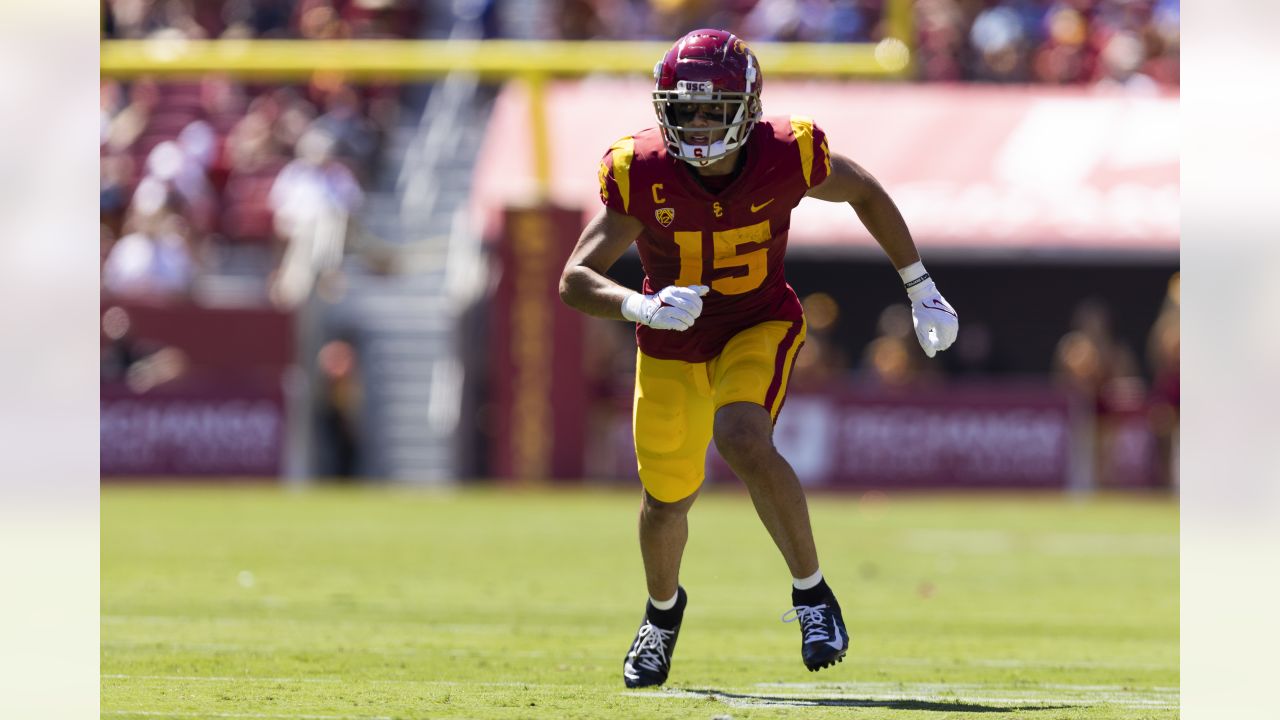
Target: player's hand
{"type": "Point", "coordinates": [671, 308]}
{"type": "Point", "coordinates": [935, 320]}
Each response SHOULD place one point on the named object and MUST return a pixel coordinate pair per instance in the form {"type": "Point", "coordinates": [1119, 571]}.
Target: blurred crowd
{"type": "Point", "coordinates": [268, 19]}
{"type": "Point", "coordinates": [223, 191]}
{"type": "Point", "coordinates": [1132, 43]}
{"type": "Point", "coordinates": [214, 177]}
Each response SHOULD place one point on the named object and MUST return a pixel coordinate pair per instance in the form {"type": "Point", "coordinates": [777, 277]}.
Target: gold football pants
{"type": "Point", "coordinates": [676, 402]}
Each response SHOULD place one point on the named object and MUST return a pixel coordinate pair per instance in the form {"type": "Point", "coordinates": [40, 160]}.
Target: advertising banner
{"type": "Point", "coordinates": [539, 399]}
{"type": "Point", "coordinates": [192, 430]}
{"type": "Point", "coordinates": [998, 438]}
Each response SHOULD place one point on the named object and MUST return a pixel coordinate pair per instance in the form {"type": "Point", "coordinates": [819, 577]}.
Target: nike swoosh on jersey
{"type": "Point", "coordinates": [758, 208]}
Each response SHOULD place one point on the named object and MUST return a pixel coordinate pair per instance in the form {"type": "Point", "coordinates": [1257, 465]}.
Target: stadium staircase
{"type": "Point", "coordinates": [404, 322]}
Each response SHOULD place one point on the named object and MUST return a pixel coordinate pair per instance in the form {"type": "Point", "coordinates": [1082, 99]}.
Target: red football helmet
{"type": "Point", "coordinates": [713, 74]}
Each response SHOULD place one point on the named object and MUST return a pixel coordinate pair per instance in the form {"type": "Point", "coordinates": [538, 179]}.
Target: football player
{"type": "Point", "coordinates": [707, 196]}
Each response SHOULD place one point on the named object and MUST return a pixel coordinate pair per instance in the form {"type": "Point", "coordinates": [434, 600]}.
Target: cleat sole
{"type": "Point", "coordinates": [830, 663]}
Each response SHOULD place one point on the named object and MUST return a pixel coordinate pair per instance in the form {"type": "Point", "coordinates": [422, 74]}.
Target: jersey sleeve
{"type": "Point", "coordinates": [615, 175]}
{"type": "Point", "coordinates": [811, 142]}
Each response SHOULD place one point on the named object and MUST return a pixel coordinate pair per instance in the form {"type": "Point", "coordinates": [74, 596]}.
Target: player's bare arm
{"type": "Point", "coordinates": [936, 322]}
{"type": "Point", "coordinates": [851, 183]}
{"type": "Point", "coordinates": [584, 285]}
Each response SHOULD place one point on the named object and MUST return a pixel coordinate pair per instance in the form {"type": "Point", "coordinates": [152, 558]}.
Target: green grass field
{"type": "Point", "coordinates": [266, 603]}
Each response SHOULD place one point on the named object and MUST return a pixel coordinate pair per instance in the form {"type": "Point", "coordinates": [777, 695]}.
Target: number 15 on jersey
{"type": "Point", "coordinates": [726, 246]}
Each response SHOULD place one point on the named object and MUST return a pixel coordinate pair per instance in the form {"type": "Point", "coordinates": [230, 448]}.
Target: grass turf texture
{"type": "Point", "coordinates": [254, 602]}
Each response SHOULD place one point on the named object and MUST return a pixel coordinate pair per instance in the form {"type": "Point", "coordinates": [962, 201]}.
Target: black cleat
{"type": "Point", "coordinates": [825, 640]}
{"type": "Point", "coordinates": [649, 659]}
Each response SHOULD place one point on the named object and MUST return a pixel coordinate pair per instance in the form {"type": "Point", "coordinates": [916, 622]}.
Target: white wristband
{"type": "Point", "coordinates": [632, 306]}
{"type": "Point", "coordinates": [911, 273]}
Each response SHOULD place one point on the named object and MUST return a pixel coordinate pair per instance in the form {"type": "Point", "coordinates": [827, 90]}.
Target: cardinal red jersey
{"type": "Point", "coordinates": [733, 240]}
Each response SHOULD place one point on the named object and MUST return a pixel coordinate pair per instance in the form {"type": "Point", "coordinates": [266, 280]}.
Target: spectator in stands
{"type": "Point", "coordinates": [893, 358]}
{"type": "Point", "coordinates": [257, 18]}
{"type": "Point", "coordinates": [1098, 369]}
{"type": "Point", "coordinates": [823, 360]}
{"type": "Point", "coordinates": [312, 200]}
{"type": "Point", "coordinates": [139, 363]}
{"type": "Point", "coordinates": [339, 410]}
{"type": "Point", "coordinates": [1088, 358]}
{"type": "Point", "coordinates": [1121, 64]}
{"type": "Point", "coordinates": [223, 102]}
{"type": "Point", "coordinates": [353, 135]}
{"type": "Point", "coordinates": [588, 20]}
{"type": "Point", "coordinates": [672, 18]}
{"type": "Point", "coordinates": [251, 144]}
{"type": "Point", "coordinates": [385, 18]}
{"type": "Point", "coordinates": [787, 20]}
{"type": "Point", "coordinates": [320, 20]}
{"type": "Point", "coordinates": [153, 260]}
{"type": "Point", "coordinates": [115, 177]}
{"type": "Point", "coordinates": [137, 19]}
{"type": "Point", "coordinates": [127, 117]}
{"type": "Point", "coordinates": [1000, 44]}
{"type": "Point", "coordinates": [1064, 58]}
{"type": "Point", "coordinates": [180, 167]}
{"type": "Point", "coordinates": [1163, 42]}
{"type": "Point", "coordinates": [313, 181]}
{"type": "Point", "coordinates": [254, 158]}
{"type": "Point", "coordinates": [1164, 360]}
{"type": "Point", "coordinates": [940, 39]}
{"type": "Point", "coordinates": [106, 241]}
{"type": "Point", "coordinates": [294, 114]}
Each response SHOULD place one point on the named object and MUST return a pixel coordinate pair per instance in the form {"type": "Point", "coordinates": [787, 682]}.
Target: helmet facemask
{"type": "Point", "coordinates": [732, 113]}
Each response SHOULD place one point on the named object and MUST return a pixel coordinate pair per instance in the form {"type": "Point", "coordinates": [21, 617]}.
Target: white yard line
{"type": "Point", "coordinates": [218, 678]}
{"type": "Point", "coordinates": [287, 716]}
{"type": "Point", "coordinates": [256, 679]}
{"type": "Point", "coordinates": [935, 687]}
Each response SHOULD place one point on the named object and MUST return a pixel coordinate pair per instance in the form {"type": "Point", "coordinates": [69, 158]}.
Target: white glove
{"type": "Point", "coordinates": [671, 308]}
{"type": "Point", "coordinates": [935, 320]}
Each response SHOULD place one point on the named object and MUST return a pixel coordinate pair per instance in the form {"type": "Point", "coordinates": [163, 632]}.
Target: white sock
{"type": "Point", "coordinates": [809, 582]}
{"type": "Point", "coordinates": [665, 604]}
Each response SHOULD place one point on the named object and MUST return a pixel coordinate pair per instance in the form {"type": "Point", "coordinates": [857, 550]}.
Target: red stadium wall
{"type": "Point", "coordinates": [192, 392]}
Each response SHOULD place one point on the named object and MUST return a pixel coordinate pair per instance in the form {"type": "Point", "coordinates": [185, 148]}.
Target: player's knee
{"type": "Point", "coordinates": [663, 510]}
{"type": "Point", "coordinates": [741, 437]}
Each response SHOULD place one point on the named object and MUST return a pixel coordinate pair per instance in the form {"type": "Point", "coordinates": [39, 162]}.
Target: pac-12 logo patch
{"type": "Point", "coordinates": [665, 215]}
